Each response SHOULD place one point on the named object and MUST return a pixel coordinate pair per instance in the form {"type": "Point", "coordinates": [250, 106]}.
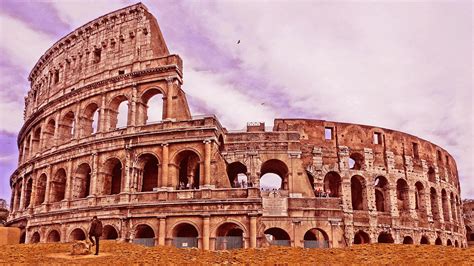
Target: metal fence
{"type": "Point", "coordinates": [285, 243]}
{"type": "Point", "coordinates": [229, 242]}
{"type": "Point", "coordinates": [316, 244]}
{"type": "Point", "coordinates": [185, 242]}
{"type": "Point", "coordinates": [149, 242]}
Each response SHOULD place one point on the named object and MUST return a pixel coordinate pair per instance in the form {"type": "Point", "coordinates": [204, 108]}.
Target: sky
{"type": "Point", "coordinates": [403, 65]}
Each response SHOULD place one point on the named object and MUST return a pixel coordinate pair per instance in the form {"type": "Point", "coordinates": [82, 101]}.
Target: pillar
{"type": "Point", "coordinates": [169, 99]}
{"type": "Point", "coordinates": [69, 180]}
{"type": "Point", "coordinates": [164, 165]}
{"type": "Point", "coordinates": [162, 232]}
{"type": "Point", "coordinates": [205, 232]}
{"type": "Point", "coordinates": [31, 151]}
{"type": "Point", "coordinates": [77, 125]}
{"type": "Point", "coordinates": [207, 163]}
{"type": "Point", "coordinates": [128, 167]}
{"type": "Point", "coordinates": [56, 130]}
{"type": "Point", "coordinates": [48, 184]}
{"type": "Point", "coordinates": [102, 127]}
{"type": "Point", "coordinates": [253, 231]}
{"type": "Point", "coordinates": [133, 107]}
{"type": "Point", "coordinates": [22, 194]}
{"type": "Point", "coordinates": [94, 173]}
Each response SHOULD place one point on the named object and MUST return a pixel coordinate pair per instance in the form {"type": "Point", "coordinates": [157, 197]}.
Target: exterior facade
{"type": "Point", "coordinates": [468, 208]}
{"type": "Point", "coordinates": [187, 181]}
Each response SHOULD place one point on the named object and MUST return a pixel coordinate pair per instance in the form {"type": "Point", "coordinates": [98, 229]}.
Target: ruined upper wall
{"type": "Point", "coordinates": [110, 45]}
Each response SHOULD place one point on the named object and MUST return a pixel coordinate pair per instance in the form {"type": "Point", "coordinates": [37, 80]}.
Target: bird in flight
{"type": "Point", "coordinates": [238, 41]}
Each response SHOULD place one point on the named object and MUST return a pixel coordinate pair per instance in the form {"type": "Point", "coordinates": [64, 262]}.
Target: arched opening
{"type": "Point", "coordinates": [444, 200]}
{"type": "Point", "coordinates": [361, 237]}
{"type": "Point", "coordinates": [28, 190]}
{"type": "Point", "coordinates": [35, 238]}
{"type": "Point", "coordinates": [48, 134]}
{"type": "Point", "coordinates": [424, 240]}
{"type": "Point", "coordinates": [358, 193]}
{"type": "Point", "coordinates": [456, 243]}
{"type": "Point", "coordinates": [36, 141]}
{"type": "Point", "coordinates": [112, 176]}
{"type": "Point", "coordinates": [229, 236]}
{"type": "Point", "coordinates": [469, 234]}
{"type": "Point", "coordinates": [449, 243]}
{"type": "Point", "coordinates": [27, 147]}
{"type": "Point", "coordinates": [58, 186]}
{"type": "Point", "coordinates": [273, 175]}
{"type": "Point", "coordinates": [434, 204]}
{"type": "Point", "coordinates": [419, 196]}
{"type": "Point", "coordinates": [438, 242]}
{"type": "Point", "coordinates": [18, 195]}
{"type": "Point", "coordinates": [453, 208]}
{"type": "Point", "coordinates": [381, 194]}
{"type": "Point", "coordinates": [144, 235]}
{"type": "Point", "coordinates": [332, 184]}
{"type": "Point", "coordinates": [53, 236]}
{"type": "Point", "coordinates": [189, 174]}
{"type": "Point", "coordinates": [185, 236]}
{"type": "Point", "coordinates": [431, 174]}
{"type": "Point", "coordinates": [109, 232]}
{"type": "Point", "coordinates": [77, 234]}
{"type": "Point", "coordinates": [148, 172]}
{"type": "Point", "coordinates": [152, 108]}
{"type": "Point", "coordinates": [221, 143]}
{"type": "Point", "coordinates": [23, 237]}
{"type": "Point", "coordinates": [82, 181]}
{"type": "Point", "coordinates": [237, 172]}
{"type": "Point", "coordinates": [356, 161]}
{"type": "Point", "coordinates": [402, 195]}
{"type": "Point", "coordinates": [40, 189]}
{"type": "Point", "coordinates": [90, 119]}
{"type": "Point", "coordinates": [407, 240]}
{"type": "Point", "coordinates": [316, 238]}
{"type": "Point", "coordinates": [118, 112]}
{"type": "Point", "coordinates": [277, 237]}
{"type": "Point", "coordinates": [66, 127]}
{"type": "Point", "coordinates": [385, 237]}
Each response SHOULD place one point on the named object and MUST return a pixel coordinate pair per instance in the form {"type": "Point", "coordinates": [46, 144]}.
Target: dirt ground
{"type": "Point", "coordinates": [125, 253]}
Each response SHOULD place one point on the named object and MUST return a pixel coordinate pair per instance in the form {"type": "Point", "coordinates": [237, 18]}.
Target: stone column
{"type": "Point", "coordinates": [102, 124]}
{"type": "Point", "coordinates": [207, 163]}
{"type": "Point", "coordinates": [133, 106]}
{"type": "Point", "coordinates": [22, 194]}
{"type": "Point", "coordinates": [48, 184]}
{"type": "Point", "coordinates": [205, 232]}
{"type": "Point", "coordinates": [162, 232]}
{"type": "Point", "coordinates": [128, 166]}
{"type": "Point", "coordinates": [164, 165]}
{"type": "Point", "coordinates": [94, 177]}
{"type": "Point", "coordinates": [169, 98]}
{"type": "Point", "coordinates": [253, 230]}
{"type": "Point", "coordinates": [77, 124]}
{"type": "Point", "coordinates": [31, 151]}
{"type": "Point", "coordinates": [392, 192]}
{"type": "Point", "coordinates": [412, 201]}
{"type": "Point", "coordinates": [69, 180]}
{"type": "Point", "coordinates": [439, 198]}
{"type": "Point", "coordinates": [56, 130]}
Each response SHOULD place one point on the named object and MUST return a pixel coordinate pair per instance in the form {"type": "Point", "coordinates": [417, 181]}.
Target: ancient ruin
{"type": "Point", "coordinates": [189, 182]}
{"type": "Point", "coordinates": [468, 209]}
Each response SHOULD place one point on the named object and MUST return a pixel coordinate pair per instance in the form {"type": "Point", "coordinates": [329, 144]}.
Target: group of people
{"type": "Point", "coordinates": [322, 193]}
{"type": "Point", "coordinates": [242, 184]}
{"type": "Point", "coordinates": [183, 185]}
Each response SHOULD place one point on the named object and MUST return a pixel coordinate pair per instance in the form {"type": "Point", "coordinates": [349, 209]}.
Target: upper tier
{"type": "Point", "coordinates": [108, 46]}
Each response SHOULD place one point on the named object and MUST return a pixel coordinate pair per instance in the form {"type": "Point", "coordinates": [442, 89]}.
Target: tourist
{"type": "Point", "coordinates": [96, 232]}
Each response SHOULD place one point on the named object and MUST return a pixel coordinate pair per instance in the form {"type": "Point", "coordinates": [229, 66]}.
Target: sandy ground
{"type": "Point", "coordinates": [125, 254]}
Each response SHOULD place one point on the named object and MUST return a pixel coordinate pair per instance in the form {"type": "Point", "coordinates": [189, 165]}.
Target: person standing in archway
{"type": "Point", "coordinates": [96, 232]}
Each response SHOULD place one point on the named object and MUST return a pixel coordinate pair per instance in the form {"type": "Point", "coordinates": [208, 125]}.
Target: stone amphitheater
{"type": "Point", "coordinates": [189, 182]}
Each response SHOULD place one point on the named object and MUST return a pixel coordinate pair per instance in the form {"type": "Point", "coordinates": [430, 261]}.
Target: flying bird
{"type": "Point", "coordinates": [238, 41]}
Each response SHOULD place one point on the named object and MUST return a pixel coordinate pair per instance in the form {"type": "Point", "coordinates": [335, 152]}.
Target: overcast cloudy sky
{"type": "Point", "coordinates": [404, 65]}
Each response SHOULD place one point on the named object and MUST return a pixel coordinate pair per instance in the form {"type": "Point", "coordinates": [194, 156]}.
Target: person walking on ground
{"type": "Point", "coordinates": [96, 232]}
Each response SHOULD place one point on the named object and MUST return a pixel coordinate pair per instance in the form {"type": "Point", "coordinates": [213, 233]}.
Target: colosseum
{"type": "Point", "coordinates": [189, 182]}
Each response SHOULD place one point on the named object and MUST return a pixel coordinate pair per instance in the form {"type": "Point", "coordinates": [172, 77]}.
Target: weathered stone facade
{"type": "Point", "coordinates": [173, 182]}
{"type": "Point", "coordinates": [468, 209]}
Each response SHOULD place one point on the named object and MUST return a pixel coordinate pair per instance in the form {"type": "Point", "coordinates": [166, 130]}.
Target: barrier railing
{"type": "Point", "coordinates": [185, 242]}
{"type": "Point", "coordinates": [229, 242]}
{"type": "Point", "coordinates": [316, 244]}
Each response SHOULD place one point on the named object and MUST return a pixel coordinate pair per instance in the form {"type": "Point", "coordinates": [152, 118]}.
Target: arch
{"type": "Point", "coordinates": [269, 172]}
{"type": "Point", "coordinates": [469, 234]}
{"type": "Point", "coordinates": [332, 184]}
{"type": "Point", "coordinates": [361, 237]}
{"type": "Point", "coordinates": [66, 127]}
{"type": "Point", "coordinates": [41, 189]}
{"type": "Point", "coordinates": [382, 194]}
{"type": "Point", "coordinates": [48, 134]}
{"type": "Point", "coordinates": [58, 186]}
{"type": "Point", "coordinates": [112, 176]}
{"type": "Point", "coordinates": [118, 112]}
{"type": "Point", "coordinates": [456, 243]}
{"type": "Point", "coordinates": [277, 237]}
{"type": "Point", "coordinates": [235, 171]}
{"type": "Point", "coordinates": [419, 196]}
{"type": "Point", "coordinates": [185, 235]}
{"type": "Point", "coordinates": [407, 240]}
{"type": "Point", "coordinates": [35, 238]}
{"type": "Point", "coordinates": [18, 189]}
{"type": "Point", "coordinates": [82, 181]}
{"type": "Point", "coordinates": [424, 240]}
{"type": "Point", "coordinates": [77, 234]}
{"type": "Point", "coordinates": [431, 174]}
{"type": "Point", "coordinates": [144, 235]}
{"type": "Point", "coordinates": [109, 232]}
{"type": "Point", "coordinates": [53, 236]}
{"type": "Point", "coordinates": [438, 241]}
{"type": "Point", "coordinates": [36, 141]}
{"type": "Point", "coordinates": [316, 238]}
{"type": "Point", "coordinates": [449, 243]}
{"type": "Point", "coordinates": [358, 193]}
{"type": "Point", "coordinates": [26, 153]}
{"type": "Point", "coordinates": [152, 108]}
{"type": "Point", "coordinates": [147, 166]}
{"type": "Point", "coordinates": [229, 235]}
{"type": "Point", "coordinates": [434, 204]}
{"type": "Point", "coordinates": [23, 237]}
{"type": "Point", "coordinates": [402, 195]}
{"type": "Point", "coordinates": [356, 161]}
{"type": "Point", "coordinates": [454, 217]}
{"type": "Point", "coordinates": [189, 169]}
{"type": "Point", "coordinates": [28, 190]}
{"type": "Point", "coordinates": [444, 201]}
{"type": "Point", "coordinates": [90, 119]}
{"type": "Point", "coordinates": [385, 237]}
